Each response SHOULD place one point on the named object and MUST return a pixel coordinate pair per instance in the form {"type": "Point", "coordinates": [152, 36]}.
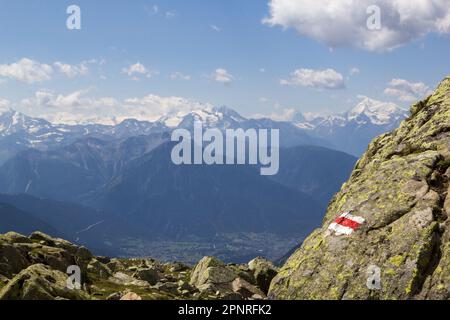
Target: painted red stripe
{"type": "Point", "coordinates": [347, 223]}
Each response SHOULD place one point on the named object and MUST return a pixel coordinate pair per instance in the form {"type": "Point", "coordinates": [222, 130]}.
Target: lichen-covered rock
{"type": "Point", "coordinates": [246, 290]}
{"type": "Point", "coordinates": [121, 278]}
{"type": "Point", "coordinates": [115, 265]}
{"type": "Point", "coordinates": [47, 240]}
{"type": "Point", "coordinates": [151, 275]}
{"type": "Point", "coordinates": [14, 237]}
{"type": "Point", "coordinates": [99, 269]}
{"type": "Point", "coordinates": [263, 271]}
{"type": "Point", "coordinates": [211, 270]}
{"type": "Point", "coordinates": [12, 261]}
{"type": "Point", "coordinates": [131, 296]}
{"type": "Point", "coordinates": [243, 271]}
{"type": "Point", "coordinates": [55, 257]}
{"type": "Point", "coordinates": [399, 187]}
{"type": "Point", "coordinates": [169, 287]}
{"type": "Point", "coordinates": [40, 282]}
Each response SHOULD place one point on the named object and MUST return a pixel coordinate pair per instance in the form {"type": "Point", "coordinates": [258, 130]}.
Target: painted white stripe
{"type": "Point", "coordinates": [349, 216]}
{"type": "Point", "coordinates": [340, 229]}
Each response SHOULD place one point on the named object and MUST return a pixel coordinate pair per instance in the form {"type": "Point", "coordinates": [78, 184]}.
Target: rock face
{"type": "Point", "coordinates": [400, 188]}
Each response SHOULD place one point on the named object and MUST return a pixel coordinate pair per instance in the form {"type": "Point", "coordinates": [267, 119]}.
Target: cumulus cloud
{"type": "Point", "coordinates": [26, 70]}
{"type": "Point", "coordinates": [30, 71]}
{"type": "Point", "coordinates": [71, 108]}
{"type": "Point", "coordinates": [319, 79]}
{"type": "Point", "coordinates": [138, 69]}
{"type": "Point", "coordinates": [77, 107]}
{"type": "Point", "coordinates": [343, 23]}
{"type": "Point", "coordinates": [407, 91]}
{"type": "Point", "coordinates": [222, 76]}
{"type": "Point", "coordinates": [72, 71]}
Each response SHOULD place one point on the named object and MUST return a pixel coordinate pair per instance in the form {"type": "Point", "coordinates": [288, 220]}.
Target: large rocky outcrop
{"type": "Point", "coordinates": [212, 276]}
{"type": "Point", "coordinates": [401, 188]}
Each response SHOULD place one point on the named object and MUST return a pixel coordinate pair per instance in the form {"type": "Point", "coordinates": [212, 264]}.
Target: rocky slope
{"type": "Point", "coordinates": [400, 187]}
{"type": "Point", "coordinates": [38, 268]}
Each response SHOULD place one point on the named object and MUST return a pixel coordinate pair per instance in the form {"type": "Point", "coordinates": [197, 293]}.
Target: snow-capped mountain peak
{"type": "Point", "coordinates": [12, 121]}
{"type": "Point", "coordinates": [210, 117]}
{"type": "Point", "coordinates": [378, 112]}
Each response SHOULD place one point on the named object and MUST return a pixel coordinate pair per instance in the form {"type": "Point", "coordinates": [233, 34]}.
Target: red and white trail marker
{"type": "Point", "coordinates": [346, 224]}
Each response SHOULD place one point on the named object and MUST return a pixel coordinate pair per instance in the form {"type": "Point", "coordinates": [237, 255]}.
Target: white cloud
{"type": "Point", "coordinates": [319, 79]}
{"type": "Point", "coordinates": [78, 107]}
{"type": "Point", "coordinates": [72, 108]}
{"type": "Point", "coordinates": [72, 71]}
{"type": "Point", "coordinates": [31, 71]}
{"type": "Point", "coordinates": [354, 71]}
{"type": "Point", "coordinates": [152, 10]}
{"type": "Point", "coordinates": [180, 76]}
{"type": "Point", "coordinates": [170, 14]}
{"type": "Point", "coordinates": [152, 107]}
{"type": "Point", "coordinates": [138, 69]}
{"type": "Point", "coordinates": [223, 76]}
{"type": "Point", "coordinates": [4, 105]}
{"type": "Point", "coordinates": [407, 91]}
{"type": "Point", "coordinates": [342, 23]}
{"type": "Point", "coordinates": [287, 114]}
{"type": "Point", "coordinates": [26, 70]}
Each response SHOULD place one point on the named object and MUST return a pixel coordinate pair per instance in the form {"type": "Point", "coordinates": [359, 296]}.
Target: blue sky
{"type": "Point", "coordinates": [211, 51]}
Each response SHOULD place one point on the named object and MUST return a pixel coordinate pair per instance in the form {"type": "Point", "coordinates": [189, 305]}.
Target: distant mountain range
{"type": "Point", "coordinates": [148, 198]}
{"type": "Point", "coordinates": [349, 132]}
{"type": "Point", "coordinates": [114, 186]}
{"type": "Point", "coordinates": [352, 131]}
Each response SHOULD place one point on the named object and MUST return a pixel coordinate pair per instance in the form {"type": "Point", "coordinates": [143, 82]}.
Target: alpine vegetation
{"type": "Point", "coordinates": [234, 146]}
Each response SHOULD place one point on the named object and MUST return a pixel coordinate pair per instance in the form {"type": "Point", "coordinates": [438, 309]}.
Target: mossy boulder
{"type": "Point", "coordinates": [99, 269]}
{"type": "Point", "coordinates": [151, 275]}
{"type": "Point", "coordinates": [40, 282]}
{"type": "Point", "coordinates": [399, 187]}
{"type": "Point", "coordinates": [211, 270]}
{"type": "Point", "coordinates": [14, 237]}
